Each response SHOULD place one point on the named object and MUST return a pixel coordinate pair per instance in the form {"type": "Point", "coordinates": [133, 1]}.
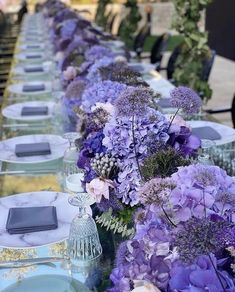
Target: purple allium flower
{"type": "Point", "coordinates": [105, 91]}
{"type": "Point", "coordinates": [156, 191]}
{"type": "Point", "coordinates": [97, 52]}
{"type": "Point", "coordinates": [197, 237]}
{"type": "Point", "coordinates": [186, 99]}
{"type": "Point", "coordinates": [134, 101]}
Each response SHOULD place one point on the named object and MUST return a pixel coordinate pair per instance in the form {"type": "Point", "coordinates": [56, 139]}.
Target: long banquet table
{"type": "Point", "coordinates": [18, 178]}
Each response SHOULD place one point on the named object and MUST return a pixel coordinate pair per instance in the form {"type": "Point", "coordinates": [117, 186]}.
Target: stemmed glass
{"type": "Point", "coordinates": [207, 148]}
{"type": "Point", "coordinates": [71, 155]}
{"type": "Point", "coordinates": [84, 246]}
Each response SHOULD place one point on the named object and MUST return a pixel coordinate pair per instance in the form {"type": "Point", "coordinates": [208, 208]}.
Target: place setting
{"type": "Point", "coordinates": [32, 88]}
{"type": "Point", "coordinates": [31, 57]}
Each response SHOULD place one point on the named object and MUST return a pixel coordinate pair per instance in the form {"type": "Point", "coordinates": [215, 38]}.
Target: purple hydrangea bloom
{"type": "Point", "coordinates": [105, 91]}
{"type": "Point", "coordinates": [200, 190]}
{"type": "Point", "coordinates": [199, 276]}
{"type": "Point", "coordinates": [97, 52]}
{"type": "Point", "coordinates": [186, 99]}
{"type": "Point", "coordinates": [93, 75]}
{"type": "Point", "coordinates": [119, 141]}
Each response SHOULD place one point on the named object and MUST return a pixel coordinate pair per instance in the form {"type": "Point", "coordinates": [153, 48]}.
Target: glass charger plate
{"type": "Point", "coordinates": [58, 145]}
{"type": "Point", "coordinates": [43, 283]}
{"type": "Point", "coordinates": [18, 88]}
{"type": "Point", "coordinates": [65, 215]}
{"type": "Point", "coordinates": [14, 111]}
{"type": "Point", "coordinates": [227, 133]}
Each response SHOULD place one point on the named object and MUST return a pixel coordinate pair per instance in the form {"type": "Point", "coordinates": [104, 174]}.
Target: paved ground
{"type": "Point", "coordinates": [222, 81]}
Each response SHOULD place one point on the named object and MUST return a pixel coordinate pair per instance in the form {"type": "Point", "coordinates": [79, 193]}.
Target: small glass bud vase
{"type": "Point", "coordinates": [84, 246]}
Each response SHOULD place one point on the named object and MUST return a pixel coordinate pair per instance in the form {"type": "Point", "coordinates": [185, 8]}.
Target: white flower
{"type": "Point", "coordinates": [99, 188]}
{"type": "Point", "coordinates": [144, 286]}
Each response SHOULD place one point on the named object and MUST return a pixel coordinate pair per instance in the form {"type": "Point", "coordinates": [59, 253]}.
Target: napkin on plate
{"type": "Point", "coordinates": [206, 133]}
{"type": "Point", "coordinates": [33, 46]}
{"type": "Point", "coordinates": [33, 69]}
{"type": "Point", "coordinates": [34, 110]}
{"type": "Point", "coordinates": [33, 56]}
{"type": "Point", "coordinates": [32, 149]}
{"type": "Point", "coordinates": [164, 102]}
{"type": "Point", "coordinates": [33, 87]}
{"type": "Point", "coordinates": [31, 219]}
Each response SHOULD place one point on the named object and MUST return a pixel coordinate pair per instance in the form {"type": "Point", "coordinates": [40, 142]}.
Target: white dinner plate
{"type": "Point", "coordinates": [65, 215]}
{"type": "Point", "coordinates": [160, 85]}
{"type": "Point", "coordinates": [14, 111]}
{"type": "Point", "coordinates": [227, 133]}
{"type": "Point", "coordinates": [34, 47]}
{"type": "Point", "coordinates": [18, 88]}
{"type": "Point", "coordinates": [43, 283]}
{"type": "Point", "coordinates": [58, 145]}
{"type": "Point", "coordinates": [25, 57]}
{"type": "Point", "coordinates": [19, 71]}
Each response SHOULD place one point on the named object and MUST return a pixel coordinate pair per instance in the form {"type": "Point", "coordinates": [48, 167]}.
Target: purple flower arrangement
{"type": "Point", "coordinates": [183, 216]}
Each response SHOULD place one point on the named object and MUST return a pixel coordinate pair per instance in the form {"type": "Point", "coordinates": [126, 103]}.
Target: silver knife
{"type": "Point", "coordinates": [29, 262]}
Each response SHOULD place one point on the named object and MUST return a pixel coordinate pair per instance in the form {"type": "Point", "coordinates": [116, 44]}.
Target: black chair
{"type": "Point", "coordinates": [140, 39]}
{"type": "Point", "coordinates": [120, 26]}
{"type": "Point", "coordinates": [225, 110]}
{"type": "Point", "coordinates": [111, 22]}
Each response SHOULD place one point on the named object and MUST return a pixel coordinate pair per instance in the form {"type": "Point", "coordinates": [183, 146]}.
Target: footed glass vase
{"type": "Point", "coordinates": [84, 246]}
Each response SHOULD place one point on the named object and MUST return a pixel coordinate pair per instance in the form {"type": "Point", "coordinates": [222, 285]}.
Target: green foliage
{"type": "Point", "coordinates": [130, 23]}
{"type": "Point", "coordinates": [100, 17]}
{"type": "Point", "coordinates": [194, 48]}
{"type": "Point", "coordinates": [163, 164]}
{"type": "Point", "coordinates": [114, 224]}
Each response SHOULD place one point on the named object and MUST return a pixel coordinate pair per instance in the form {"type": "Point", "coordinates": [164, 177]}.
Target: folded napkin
{"type": "Point", "coordinates": [34, 110]}
{"type": "Point", "coordinates": [33, 56]}
{"type": "Point", "coordinates": [33, 46]}
{"type": "Point", "coordinates": [33, 69]}
{"type": "Point", "coordinates": [31, 219]}
{"type": "Point", "coordinates": [32, 149]}
{"type": "Point", "coordinates": [164, 102]}
{"type": "Point", "coordinates": [206, 133]}
{"type": "Point", "coordinates": [33, 87]}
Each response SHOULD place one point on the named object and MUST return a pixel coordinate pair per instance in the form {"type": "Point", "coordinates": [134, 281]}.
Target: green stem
{"type": "Point", "coordinates": [135, 150]}
{"type": "Point", "coordinates": [168, 218]}
{"type": "Point", "coordinates": [217, 274]}
{"type": "Point", "coordinates": [173, 119]}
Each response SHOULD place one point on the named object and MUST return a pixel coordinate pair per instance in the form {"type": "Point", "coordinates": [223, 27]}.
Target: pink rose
{"type": "Point", "coordinates": [99, 188]}
{"type": "Point", "coordinates": [70, 73]}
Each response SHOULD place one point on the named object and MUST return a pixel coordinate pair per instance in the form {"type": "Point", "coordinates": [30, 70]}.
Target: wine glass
{"type": "Point", "coordinates": [71, 155]}
{"type": "Point", "coordinates": [84, 246]}
{"type": "Point", "coordinates": [206, 153]}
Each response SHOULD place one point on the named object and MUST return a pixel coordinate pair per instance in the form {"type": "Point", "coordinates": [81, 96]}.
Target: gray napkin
{"type": "Point", "coordinates": [32, 149]}
{"type": "Point", "coordinates": [33, 87]}
{"type": "Point", "coordinates": [33, 69]}
{"type": "Point", "coordinates": [206, 133]}
{"type": "Point", "coordinates": [33, 56]}
{"type": "Point", "coordinates": [33, 47]}
{"type": "Point", "coordinates": [31, 219]}
{"type": "Point", "coordinates": [34, 110]}
{"type": "Point", "coordinates": [164, 102]}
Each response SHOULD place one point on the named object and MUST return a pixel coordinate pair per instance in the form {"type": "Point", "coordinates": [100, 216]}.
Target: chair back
{"type": "Point", "coordinates": [233, 111]}
{"type": "Point", "coordinates": [207, 66]}
{"type": "Point", "coordinates": [111, 22]}
{"type": "Point", "coordinates": [172, 62]}
{"type": "Point", "coordinates": [141, 38]}
{"type": "Point", "coordinates": [158, 49]}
